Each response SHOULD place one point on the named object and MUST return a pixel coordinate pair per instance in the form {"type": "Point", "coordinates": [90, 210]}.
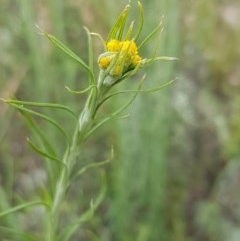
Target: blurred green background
{"type": "Point", "coordinates": [175, 174]}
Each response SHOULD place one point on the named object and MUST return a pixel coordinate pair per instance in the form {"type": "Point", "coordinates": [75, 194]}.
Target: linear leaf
{"type": "Point", "coordinates": [90, 54]}
{"type": "Point", "coordinates": [43, 105]}
{"type": "Point", "coordinates": [118, 111]}
{"type": "Point", "coordinates": [77, 92]}
{"type": "Point", "coordinates": [93, 165]}
{"type": "Point", "coordinates": [141, 21]}
{"type": "Point", "coordinates": [150, 35]}
{"type": "Point", "coordinates": [69, 52]}
{"type": "Point", "coordinates": [33, 126]}
{"type": "Point", "coordinates": [66, 234]}
{"type": "Point", "coordinates": [45, 154]}
{"type": "Point", "coordinates": [44, 117]}
{"type": "Point", "coordinates": [45, 143]}
{"type": "Point", "coordinates": [15, 233]}
{"type": "Point", "coordinates": [119, 25]}
{"type": "Point", "coordinates": [22, 206]}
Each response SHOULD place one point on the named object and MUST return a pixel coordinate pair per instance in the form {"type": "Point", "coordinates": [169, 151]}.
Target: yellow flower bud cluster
{"type": "Point", "coordinates": [126, 53]}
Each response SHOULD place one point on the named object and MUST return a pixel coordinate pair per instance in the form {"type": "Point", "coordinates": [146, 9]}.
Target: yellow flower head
{"type": "Point", "coordinates": [127, 56]}
{"type": "Point", "coordinates": [130, 47]}
{"type": "Point", "coordinates": [136, 59]}
{"type": "Point", "coordinates": [113, 45]}
{"type": "Point", "coordinates": [104, 62]}
{"type": "Point", "coordinates": [121, 59]}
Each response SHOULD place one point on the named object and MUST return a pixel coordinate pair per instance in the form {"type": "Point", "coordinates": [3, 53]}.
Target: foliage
{"type": "Point", "coordinates": [175, 169]}
{"type": "Point", "coordinates": [118, 63]}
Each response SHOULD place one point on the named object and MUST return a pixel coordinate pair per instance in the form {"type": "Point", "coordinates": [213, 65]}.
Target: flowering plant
{"type": "Point", "coordinates": [120, 60]}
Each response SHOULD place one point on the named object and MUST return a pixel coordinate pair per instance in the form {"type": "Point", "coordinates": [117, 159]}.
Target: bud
{"type": "Point", "coordinates": [120, 57]}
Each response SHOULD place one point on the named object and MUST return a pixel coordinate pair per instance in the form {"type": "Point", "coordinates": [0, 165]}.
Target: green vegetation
{"type": "Point", "coordinates": [175, 171]}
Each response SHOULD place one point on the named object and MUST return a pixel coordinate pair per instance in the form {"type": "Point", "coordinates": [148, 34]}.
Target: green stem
{"type": "Point", "coordinates": [69, 159]}
{"type": "Point", "coordinates": [62, 185]}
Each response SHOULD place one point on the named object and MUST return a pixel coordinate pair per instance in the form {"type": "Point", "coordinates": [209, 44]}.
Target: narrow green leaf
{"type": "Point", "coordinates": [165, 58]}
{"type": "Point", "coordinates": [77, 92]}
{"type": "Point", "coordinates": [106, 119]}
{"type": "Point", "coordinates": [157, 44]}
{"type": "Point", "coordinates": [67, 232]}
{"type": "Point", "coordinates": [154, 89]}
{"type": "Point", "coordinates": [42, 105]}
{"type": "Point", "coordinates": [147, 62]}
{"type": "Point", "coordinates": [33, 126]}
{"type": "Point", "coordinates": [43, 140]}
{"type": "Point", "coordinates": [90, 54]}
{"type": "Point", "coordinates": [44, 117]}
{"type": "Point", "coordinates": [141, 22]}
{"type": "Point", "coordinates": [22, 206]}
{"type": "Point", "coordinates": [150, 35]}
{"type": "Point", "coordinates": [45, 154]}
{"type": "Point", "coordinates": [157, 88]}
{"type": "Point", "coordinates": [5, 205]}
{"type": "Point", "coordinates": [16, 234]}
{"type": "Point", "coordinates": [49, 157]}
{"type": "Point", "coordinates": [119, 24]}
{"type": "Point", "coordinates": [93, 165]}
{"type": "Point", "coordinates": [129, 31]}
{"type": "Point", "coordinates": [69, 52]}
{"type": "Point", "coordinates": [122, 24]}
